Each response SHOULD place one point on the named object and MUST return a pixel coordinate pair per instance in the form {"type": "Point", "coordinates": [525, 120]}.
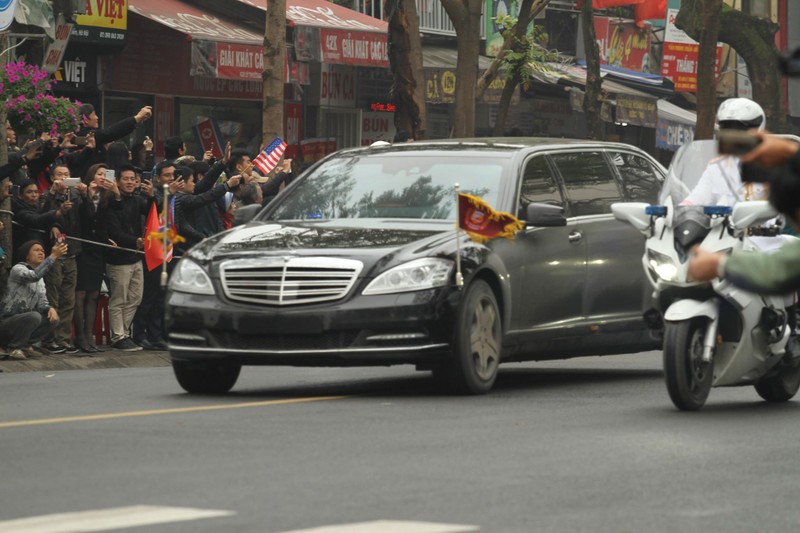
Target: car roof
{"type": "Point", "coordinates": [499, 144]}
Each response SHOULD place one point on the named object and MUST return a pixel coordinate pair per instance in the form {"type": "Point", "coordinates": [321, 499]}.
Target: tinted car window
{"type": "Point", "coordinates": [538, 185]}
{"type": "Point", "coordinates": [639, 179]}
{"type": "Point", "coordinates": [588, 181]}
{"type": "Point", "coordinates": [413, 185]}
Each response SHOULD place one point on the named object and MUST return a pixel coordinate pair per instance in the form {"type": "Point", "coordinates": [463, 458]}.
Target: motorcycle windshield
{"type": "Point", "coordinates": [700, 176]}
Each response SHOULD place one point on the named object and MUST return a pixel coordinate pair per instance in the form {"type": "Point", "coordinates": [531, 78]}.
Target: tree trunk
{"type": "Point", "coordinates": [752, 38]}
{"type": "Point", "coordinates": [505, 104]}
{"type": "Point", "coordinates": [528, 9]}
{"type": "Point", "coordinates": [466, 18]}
{"type": "Point", "coordinates": [405, 63]}
{"type": "Point", "coordinates": [593, 98]}
{"type": "Point", "coordinates": [274, 52]}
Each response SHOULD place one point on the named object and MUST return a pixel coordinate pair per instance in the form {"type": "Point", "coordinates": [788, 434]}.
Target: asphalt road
{"type": "Point", "coordinates": [589, 444]}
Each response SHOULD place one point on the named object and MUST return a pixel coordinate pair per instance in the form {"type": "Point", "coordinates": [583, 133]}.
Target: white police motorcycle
{"type": "Point", "coordinates": [714, 334]}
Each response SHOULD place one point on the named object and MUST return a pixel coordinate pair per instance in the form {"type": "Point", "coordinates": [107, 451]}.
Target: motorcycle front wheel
{"type": "Point", "coordinates": [688, 378]}
{"type": "Point", "coordinates": [781, 387]}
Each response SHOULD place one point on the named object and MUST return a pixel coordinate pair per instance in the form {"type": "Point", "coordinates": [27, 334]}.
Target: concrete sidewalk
{"type": "Point", "coordinates": [107, 359]}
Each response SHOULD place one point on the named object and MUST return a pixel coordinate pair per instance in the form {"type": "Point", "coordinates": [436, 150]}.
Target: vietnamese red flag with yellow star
{"type": "Point", "coordinates": [483, 223]}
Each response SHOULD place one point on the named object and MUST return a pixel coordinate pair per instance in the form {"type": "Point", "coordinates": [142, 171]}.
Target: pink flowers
{"type": "Point", "coordinates": [29, 104]}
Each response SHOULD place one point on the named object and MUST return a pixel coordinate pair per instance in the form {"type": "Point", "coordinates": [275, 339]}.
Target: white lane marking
{"type": "Point", "coordinates": [389, 526]}
{"type": "Point", "coordinates": [107, 519]}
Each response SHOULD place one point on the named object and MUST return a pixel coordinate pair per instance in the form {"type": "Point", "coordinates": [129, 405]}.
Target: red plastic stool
{"type": "Point", "coordinates": [102, 331]}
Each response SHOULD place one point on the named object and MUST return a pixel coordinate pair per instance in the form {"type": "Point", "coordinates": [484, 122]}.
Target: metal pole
{"type": "Point", "coordinates": [459, 277]}
{"type": "Point", "coordinates": [166, 236]}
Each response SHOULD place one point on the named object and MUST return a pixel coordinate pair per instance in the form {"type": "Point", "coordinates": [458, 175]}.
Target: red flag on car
{"type": "Point", "coordinates": [483, 223]}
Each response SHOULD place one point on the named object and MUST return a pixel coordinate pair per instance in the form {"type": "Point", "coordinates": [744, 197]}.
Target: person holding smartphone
{"type": "Point", "coordinates": [26, 315]}
{"type": "Point", "coordinates": [61, 280]}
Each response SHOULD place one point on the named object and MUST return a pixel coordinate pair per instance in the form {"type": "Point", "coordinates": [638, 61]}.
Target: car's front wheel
{"type": "Point", "coordinates": [206, 377]}
{"type": "Point", "coordinates": [473, 365]}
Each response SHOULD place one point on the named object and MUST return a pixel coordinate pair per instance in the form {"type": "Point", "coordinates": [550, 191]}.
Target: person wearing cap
{"type": "Point", "coordinates": [26, 315]}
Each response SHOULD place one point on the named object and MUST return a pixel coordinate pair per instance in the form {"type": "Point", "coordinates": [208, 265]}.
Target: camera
{"type": "Point", "coordinates": [81, 141]}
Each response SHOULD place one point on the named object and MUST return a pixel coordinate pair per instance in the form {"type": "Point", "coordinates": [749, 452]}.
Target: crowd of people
{"type": "Point", "coordinates": [80, 204]}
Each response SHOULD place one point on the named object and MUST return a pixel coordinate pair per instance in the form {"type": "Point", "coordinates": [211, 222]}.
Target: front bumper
{"type": "Point", "coordinates": [406, 328]}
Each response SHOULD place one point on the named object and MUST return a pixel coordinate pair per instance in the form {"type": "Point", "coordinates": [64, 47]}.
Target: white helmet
{"type": "Point", "coordinates": [740, 114]}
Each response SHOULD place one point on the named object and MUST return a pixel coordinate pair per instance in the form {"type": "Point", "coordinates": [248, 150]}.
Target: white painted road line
{"type": "Point", "coordinates": [107, 519]}
{"type": "Point", "coordinates": [389, 526]}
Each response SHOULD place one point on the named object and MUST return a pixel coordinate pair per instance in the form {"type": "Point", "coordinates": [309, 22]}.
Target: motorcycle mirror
{"type": "Point", "coordinates": [747, 214]}
{"type": "Point", "coordinates": [633, 213]}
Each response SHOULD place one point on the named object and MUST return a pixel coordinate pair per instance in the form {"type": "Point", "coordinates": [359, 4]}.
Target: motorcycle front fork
{"type": "Point", "coordinates": [710, 339]}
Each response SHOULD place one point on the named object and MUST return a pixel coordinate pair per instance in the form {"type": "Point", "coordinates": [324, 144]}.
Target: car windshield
{"type": "Point", "coordinates": [412, 184]}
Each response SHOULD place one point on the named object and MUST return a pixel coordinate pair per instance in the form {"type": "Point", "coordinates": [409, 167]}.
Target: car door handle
{"type": "Point", "coordinates": [575, 236]}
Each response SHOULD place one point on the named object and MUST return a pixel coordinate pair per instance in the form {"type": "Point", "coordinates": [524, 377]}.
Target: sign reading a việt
{"type": "Point", "coordinates": [105, 22]}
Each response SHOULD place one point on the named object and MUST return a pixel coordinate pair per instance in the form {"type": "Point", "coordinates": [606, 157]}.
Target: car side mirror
{"type": "Point", "coordinates": [545, 215]}
{"type": "Point", "coordinates": [633, 213]}
{"type": "Point", "coordinates": [747, 214]}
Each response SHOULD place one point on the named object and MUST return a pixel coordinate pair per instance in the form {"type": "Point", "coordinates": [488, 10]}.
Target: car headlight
{"type": "Point", "coordinates": [416, 275]}
{"type": "Point", "coordinates": [190, 277]}
{"type": "Point", "coordinates": [662, 265]}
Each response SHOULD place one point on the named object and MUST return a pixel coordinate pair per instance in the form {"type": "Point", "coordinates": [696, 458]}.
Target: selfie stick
{"type": "Point", "coordinates": [166, 236]}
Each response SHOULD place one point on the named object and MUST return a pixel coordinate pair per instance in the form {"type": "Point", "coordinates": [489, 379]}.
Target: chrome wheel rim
{"type": "Point", "coordinates": [484, 335]}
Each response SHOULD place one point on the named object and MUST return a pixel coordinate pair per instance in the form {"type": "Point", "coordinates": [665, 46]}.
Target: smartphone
{"type": "Point", "coordinates": [72, 182]}
{"type": "Point", "coordinates": [15, 190]}
{"type": "Point", "coordinates": [81, 141]}
{"type": "Point", "coordinates": [147, 175]}
{"type": "Point", "coordinates": [736, 142]}
{"type": "Point", "coordinates": [61, 239]}
{"type": "Point", "coordinates": [110, 175]}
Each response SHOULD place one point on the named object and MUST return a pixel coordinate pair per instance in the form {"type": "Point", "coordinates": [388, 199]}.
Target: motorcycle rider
{"type": "Point", "coordinates": [775, 273]}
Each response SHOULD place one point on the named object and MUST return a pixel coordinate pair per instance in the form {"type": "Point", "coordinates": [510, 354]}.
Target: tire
{"type": "Point", "coordinates": [781, 387]}
{"type": "Point", "coordinates": [688, 378]}
{"type": "Point", "coordinates": [207, 377]}
{"type": "Point", "coordinates": [475, 358]}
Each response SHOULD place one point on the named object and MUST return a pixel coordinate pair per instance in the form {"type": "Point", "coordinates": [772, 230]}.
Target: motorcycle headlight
{"type": "Point", "coordinates": [416, 275]}
{"type": "Point", "coordinates": [190, 277]}
{"type": "Point", "coordinates": [662, 265]}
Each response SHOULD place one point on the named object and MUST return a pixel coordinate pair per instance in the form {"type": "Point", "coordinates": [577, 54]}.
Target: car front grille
{"type": "Point", "coordinates": [288, 280]}
{"type": "Point", "coordinates": [335, 340]}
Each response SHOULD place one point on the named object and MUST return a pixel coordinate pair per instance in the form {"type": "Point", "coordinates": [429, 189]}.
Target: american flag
{"type": "Point", "coordinates": [268, 159]}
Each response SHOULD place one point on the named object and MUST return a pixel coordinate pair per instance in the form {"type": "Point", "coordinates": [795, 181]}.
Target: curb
{"type": "Point", "coordinates": [109, 359]}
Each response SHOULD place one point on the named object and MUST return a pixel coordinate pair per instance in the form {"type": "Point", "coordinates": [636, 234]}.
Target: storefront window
{"type": "Point", "coordinates": [237, 122]}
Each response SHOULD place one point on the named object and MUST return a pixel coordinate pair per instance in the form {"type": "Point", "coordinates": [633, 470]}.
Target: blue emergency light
{"type": "Point", "coordinates": [717, 210]}
{"type": "Point", "coordinates": [656, 210]}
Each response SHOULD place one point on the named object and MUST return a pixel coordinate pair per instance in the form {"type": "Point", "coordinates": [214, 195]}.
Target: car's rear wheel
{"type": "Point", "coordinates": [473, 364]}
{"type": "Point", "coordinates": [206, 377]}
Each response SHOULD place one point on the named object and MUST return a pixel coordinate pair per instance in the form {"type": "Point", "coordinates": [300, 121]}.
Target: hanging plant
{"type": "Point", "coordinates": [29, 105]}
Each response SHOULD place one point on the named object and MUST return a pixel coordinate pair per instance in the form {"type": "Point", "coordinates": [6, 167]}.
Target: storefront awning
{"type": "Point", "coordinates": [220, 48]}
{"type": "Point", "coordinates": [675, 126]}
{"type": "Point", "coordinates": [194, 22]}
{"type": "Point", "coordinates": [324, 14]}
{"type": "Point", "coordinates": [329, 33]}
{"type": "Point", "coordinates": [446, 57]}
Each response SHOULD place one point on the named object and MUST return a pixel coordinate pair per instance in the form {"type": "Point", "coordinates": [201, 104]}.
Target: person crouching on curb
{"type": "Point", "coordinates": [25, 314]}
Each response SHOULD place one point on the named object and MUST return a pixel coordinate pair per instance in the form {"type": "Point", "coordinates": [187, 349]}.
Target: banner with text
{"type": "Point", "coordinates": [637, 110]}
{"type": "Point", "coordinates": [105, 22]}
{"type": "Point", "coordinates": [679, 59]}
{"type": "Point", "coordinates": [622, 44]}
{"type": "Point", "coordinates": [354, 48]}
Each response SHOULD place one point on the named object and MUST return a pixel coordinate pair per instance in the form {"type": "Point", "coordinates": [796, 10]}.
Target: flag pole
{"type": "Point", "coordinates": [166, 236]}
{"type": "Point", "coordinates": [459, 277]}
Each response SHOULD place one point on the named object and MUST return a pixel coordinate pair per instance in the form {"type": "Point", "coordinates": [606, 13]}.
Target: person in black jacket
{"type": "Point", "coordinates": [188, 204]}
{"type": "Point", "coordinates": [103, 136]}
{"type": "Point", "coordinates": [124, 265]}
{"type": "Point", "coordinates": [61, 279]}
{"type": "Point", "coordinates": [30, 223]}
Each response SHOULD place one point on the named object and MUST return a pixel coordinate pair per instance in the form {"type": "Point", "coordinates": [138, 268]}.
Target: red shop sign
{"type": "Point", "coordinates": [354, 48]}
